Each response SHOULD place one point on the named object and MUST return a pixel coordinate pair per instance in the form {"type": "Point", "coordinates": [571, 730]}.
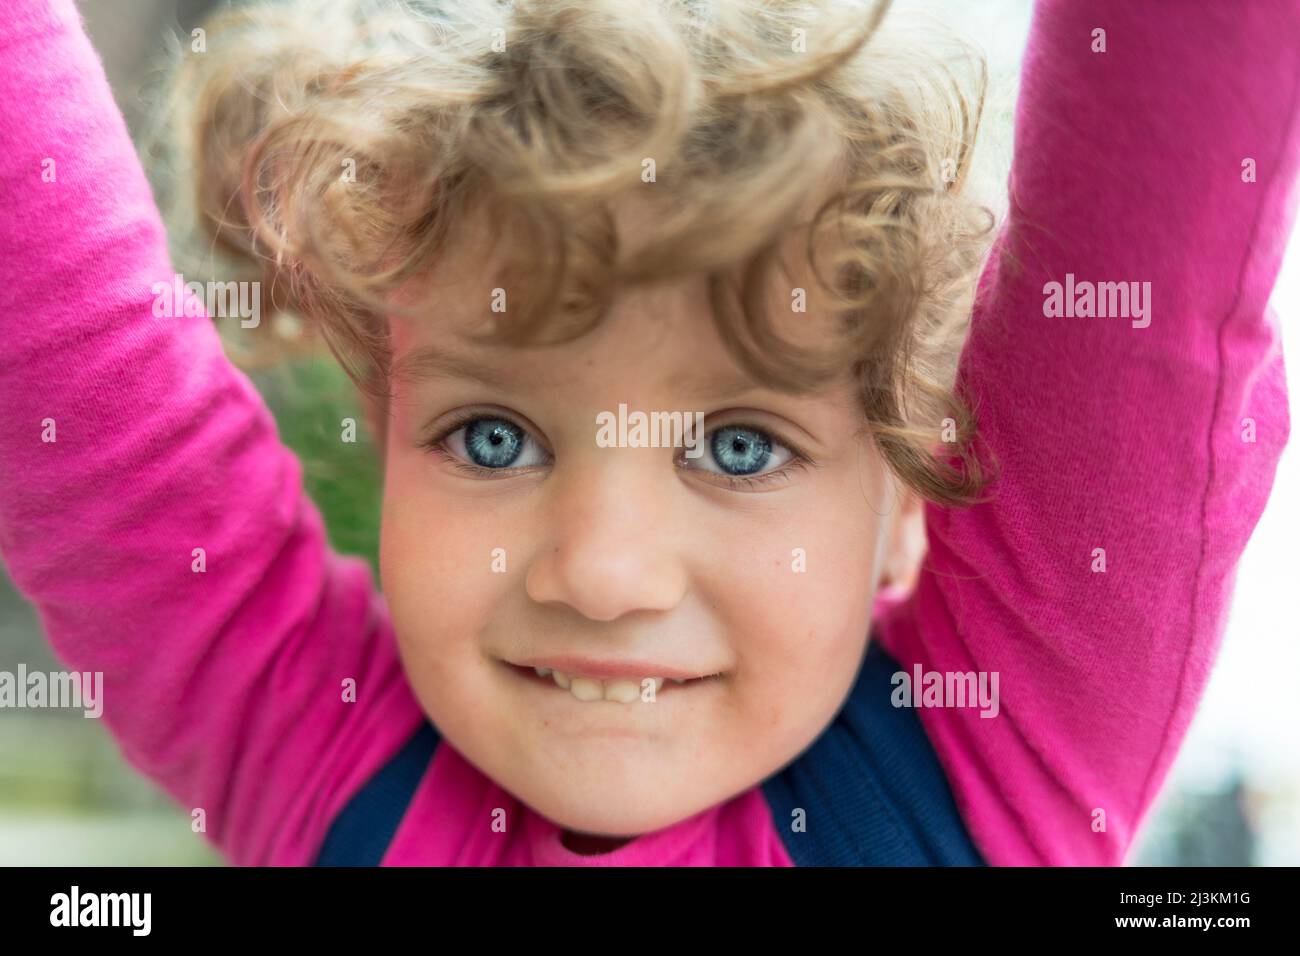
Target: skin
{"type": "Point", "coordinates": [616, 553]}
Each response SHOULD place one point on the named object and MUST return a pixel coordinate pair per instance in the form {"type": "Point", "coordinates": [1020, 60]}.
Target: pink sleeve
{"type": "Point", "coordinates": [1169, 158]}
{"type": "Point", "coordinates": [224, 686]}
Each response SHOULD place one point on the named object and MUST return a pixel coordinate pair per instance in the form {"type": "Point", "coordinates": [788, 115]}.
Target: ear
{"type": "Point", "coordinates": [906, 545]}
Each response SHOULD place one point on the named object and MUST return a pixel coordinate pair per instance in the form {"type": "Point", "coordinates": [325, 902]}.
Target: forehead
{"type": "Point", "coordinates": [665, 327]}
{"type": "Point", "coordinates": [658, 338]}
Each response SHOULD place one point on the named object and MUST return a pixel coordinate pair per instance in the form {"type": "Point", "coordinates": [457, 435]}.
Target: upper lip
{"type": "Point", "coordinates": [608, 670]}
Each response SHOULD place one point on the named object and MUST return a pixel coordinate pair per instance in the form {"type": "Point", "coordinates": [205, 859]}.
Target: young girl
{"type": "Point", "coordinates": [513, 221]}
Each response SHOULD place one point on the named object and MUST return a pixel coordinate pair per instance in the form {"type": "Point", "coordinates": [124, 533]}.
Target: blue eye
{"type": "Point", "coordinates": [739, 451]}
{"type": "Point", "coordinates": [494, 443]}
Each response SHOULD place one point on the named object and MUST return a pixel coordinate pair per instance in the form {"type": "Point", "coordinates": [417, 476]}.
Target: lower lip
{"type": "Point", "coordinates": [529, 674]}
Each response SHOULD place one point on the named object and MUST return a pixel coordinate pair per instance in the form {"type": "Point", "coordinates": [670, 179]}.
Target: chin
{"type": "Point", "coordinates": [612, 811]}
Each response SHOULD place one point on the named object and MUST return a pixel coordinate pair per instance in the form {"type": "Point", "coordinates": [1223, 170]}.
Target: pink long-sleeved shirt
{"type": "Point", "coordinates": [224, 686]}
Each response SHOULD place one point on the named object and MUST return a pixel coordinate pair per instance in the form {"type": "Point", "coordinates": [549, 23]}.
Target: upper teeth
{"type": "Point", "coordinates": [620, 691]}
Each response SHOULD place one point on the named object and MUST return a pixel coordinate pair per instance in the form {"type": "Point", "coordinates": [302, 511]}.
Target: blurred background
{"type": "Point", "coordinates": [67, 797]}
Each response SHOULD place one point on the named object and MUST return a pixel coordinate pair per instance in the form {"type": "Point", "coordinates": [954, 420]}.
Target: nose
{"type": "Point", "coordinates": [612, 549]}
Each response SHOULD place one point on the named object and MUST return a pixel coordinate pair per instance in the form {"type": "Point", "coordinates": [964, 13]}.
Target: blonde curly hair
{"type": "Point", "coordinates": [546, 113]}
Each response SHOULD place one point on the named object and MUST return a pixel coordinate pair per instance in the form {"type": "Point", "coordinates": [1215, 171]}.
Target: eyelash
{"type": "Point", "coordinates": [781, 476]}
{"type": "Point", "coordinates": [437, 445]}
{"type": "Point", "coordinates": [799, 460]}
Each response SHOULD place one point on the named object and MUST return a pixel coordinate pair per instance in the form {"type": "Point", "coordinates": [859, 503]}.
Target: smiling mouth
{"type": "Point", "coordinates": [593, 690]}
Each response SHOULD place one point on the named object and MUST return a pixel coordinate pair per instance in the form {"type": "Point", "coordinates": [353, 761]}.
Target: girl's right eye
{"type": "Point", "coordinates": [492, 443]}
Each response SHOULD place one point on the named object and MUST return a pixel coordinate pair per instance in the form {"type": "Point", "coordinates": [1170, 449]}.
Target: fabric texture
{"type": "Point", "coordinates": [224, 686]}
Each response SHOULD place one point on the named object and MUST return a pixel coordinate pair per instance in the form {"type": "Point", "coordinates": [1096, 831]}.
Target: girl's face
{"type": "Point", "coordinates": [512, 536]}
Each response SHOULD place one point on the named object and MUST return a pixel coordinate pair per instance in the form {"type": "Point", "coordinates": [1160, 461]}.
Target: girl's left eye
{"type": "Point", "coordinates": [494, 444]}
{"type": "Point", "coordinates": [740, 452]}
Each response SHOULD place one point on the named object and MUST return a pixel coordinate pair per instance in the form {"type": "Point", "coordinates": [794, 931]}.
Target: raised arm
{"type": "Point", "coordinates": [1156, 144]}
{"type": "Point", "coordinates": [127, 441]}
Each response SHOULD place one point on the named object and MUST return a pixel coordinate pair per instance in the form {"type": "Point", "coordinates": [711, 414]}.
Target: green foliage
{"type": "Point", "coordinates": [310, 398]}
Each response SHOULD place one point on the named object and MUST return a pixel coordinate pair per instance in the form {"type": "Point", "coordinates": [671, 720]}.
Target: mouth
{"type": "Point", "coordinates": [620, 690]}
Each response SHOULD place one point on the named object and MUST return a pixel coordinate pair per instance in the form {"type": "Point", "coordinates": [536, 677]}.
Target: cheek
{"type": "Point", "coordinates": [436, 568]}
{"type": "Point", "coordinates": [802, 573]}
{"type": "Point", "coordinates": [798, 603]}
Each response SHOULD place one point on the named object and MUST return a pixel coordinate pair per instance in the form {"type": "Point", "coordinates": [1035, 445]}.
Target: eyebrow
{"type": "Point", "coordinates": [721, 391]}
{"type": "Point", "coordinates": [430, 362]}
